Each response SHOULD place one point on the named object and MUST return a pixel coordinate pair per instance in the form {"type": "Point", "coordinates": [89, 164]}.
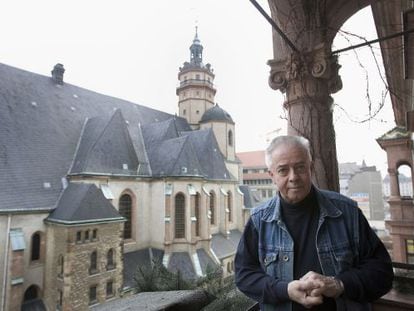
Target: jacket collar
{"type": "Point", "coordinates": [326, 207]}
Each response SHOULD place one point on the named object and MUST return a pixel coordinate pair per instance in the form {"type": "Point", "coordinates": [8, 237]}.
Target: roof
{"type": "Point", "coordinates": [82, 132]}
{"type": "Point", "coordinates": [216, 113]}
{"type": "Point", "coordinates": [140, 258]}
{"type": "Point", "coordinates": [395, 133]}
{"type": "Point", "coordinates": [249, 201]}
{"type": "Point", "coordinates": [252, 158]}
{"type": "Point", "coordinates": [81, 203]}
{"type": "Point", "coordinates": [181, 261]}
{"type": "Point", "coordinates": [225, 246]}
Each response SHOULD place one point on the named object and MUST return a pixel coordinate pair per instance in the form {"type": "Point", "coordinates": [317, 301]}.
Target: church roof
{"type": "Point", "coordinates": [225, 246]}
{"type": "Point", "coordinates": [216, 113]}
{"type": "Point", "coordinates": [49, 130]}
{"type": "Point", "coordinates": [83, 203]}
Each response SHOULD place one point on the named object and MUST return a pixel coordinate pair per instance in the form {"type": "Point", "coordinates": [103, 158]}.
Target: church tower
{"type": "Point", "coordinates": [196, 90]}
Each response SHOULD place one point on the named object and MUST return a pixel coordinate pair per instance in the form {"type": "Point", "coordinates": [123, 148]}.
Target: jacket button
{"type": "Point", "coordinates": [285, 258]}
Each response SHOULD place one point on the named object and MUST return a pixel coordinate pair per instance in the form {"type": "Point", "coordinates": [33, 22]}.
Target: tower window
{"type": "Point", "coordinates": [109, 289]}
{"type": "Point", "coordinates": [230, 138]}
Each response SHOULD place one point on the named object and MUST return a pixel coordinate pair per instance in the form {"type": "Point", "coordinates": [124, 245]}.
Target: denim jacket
{"type": "Point", "coordinates": [337, 242]}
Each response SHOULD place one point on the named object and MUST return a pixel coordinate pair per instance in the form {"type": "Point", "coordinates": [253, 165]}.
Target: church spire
{"type": "Point", "coordinates": [196, 50]}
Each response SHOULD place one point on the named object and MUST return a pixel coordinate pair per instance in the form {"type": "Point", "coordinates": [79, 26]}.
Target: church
{"type": "Point", "coordinates": [93, 186]}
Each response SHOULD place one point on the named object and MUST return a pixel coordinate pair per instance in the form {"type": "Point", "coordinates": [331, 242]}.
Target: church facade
{"type": "Point", "coordinates": [93, 186]}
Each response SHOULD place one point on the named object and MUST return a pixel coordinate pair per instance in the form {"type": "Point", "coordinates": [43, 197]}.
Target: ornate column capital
{"type": "Point", "coordinates": [316, 64]}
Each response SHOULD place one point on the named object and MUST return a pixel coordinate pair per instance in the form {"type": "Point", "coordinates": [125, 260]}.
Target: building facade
{"type": "Point", "coordinates": [94, 186]}
{"type": "Point", "coordinates": [256, 176]}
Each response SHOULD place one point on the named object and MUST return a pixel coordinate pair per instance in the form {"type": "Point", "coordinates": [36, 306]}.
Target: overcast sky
{"type": "Point", "coordinates": [132, 49]}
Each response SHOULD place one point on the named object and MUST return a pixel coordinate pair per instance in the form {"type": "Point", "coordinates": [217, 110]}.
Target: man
{"type": "Point", "coordinates": [309, 248]}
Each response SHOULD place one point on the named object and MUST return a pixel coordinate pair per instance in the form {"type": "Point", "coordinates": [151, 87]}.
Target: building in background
{"type": "Point", "coordinates": [363, 184]}
{"type": "Point", "coordinates": [255, 175]}
{"type": "Point", "coordinates": [93, 186]}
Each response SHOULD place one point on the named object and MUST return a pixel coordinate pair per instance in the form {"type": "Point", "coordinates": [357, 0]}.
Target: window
{"type": "Point", "coordinates": [94, 234]}
{"type": "Point", "coordinates": [110, 260]}
{"type": "Point", "coordinates": [35, 255]}
{"type": "Point", "coordinates": [405, 181]}
{"type": "Point", "coordinates": [184, 112]}
{"type": "Point", "coordinates": [92, 295]}
{"type": "Point", "coordinates": [197, 214]}
{"type": "Point", "coordinates": [79, 236]}
{"type": "Point", "coordinates": [109, 288]}
{"type": "Point", "coordinates": [410, 251]}
{"type": "Point", "coordinates": [125, 209]}
{"type": "Point", "coordinates": [212, 208]}
{"type": "Point", "coordinates": [197, 77]}
{"type": "Point", "coordinates": [93, 263]}
{"type": "Point", "coordinates": [61, 263]}
{"type": "Point", "coordinates": [179, 216]}
{"type": "Point", "coordinates": [269, 193]}
{"type": "Point", "coordinates": [229, 206]}
{"type": "Point", "coordinates": [230, 138]}
{"type": "Point", "coordinates": [263, 193]}
{"type": "Point", "coordinates": [31, 293]}
{"type": "Point", "coordinates": [60, 301]}
{"type": "Point", "coordinates": [86, 235]}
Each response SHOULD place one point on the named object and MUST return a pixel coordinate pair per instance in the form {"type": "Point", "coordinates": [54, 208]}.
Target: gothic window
{"type": "Point", "coordinates": [179, 216]}
{"type": "Point", "coordinates": [125, 209]}
{"type": "Point", "coordinates": [92, 294]}
{"type": "Point", "coordinates": [230, 138]}
{"type": "Point", "coordinates": [110, 260]}
{"type": "Point", "coordinates": [35, 254]}
{"type": "Point", "coordinates": [93, 267]}
{"type": "Point", "coordinates": [212, 208]}
{"type": "Point", "coordinates": [230, 206]}
{"type": "Point", "coordinates": [197, 214]}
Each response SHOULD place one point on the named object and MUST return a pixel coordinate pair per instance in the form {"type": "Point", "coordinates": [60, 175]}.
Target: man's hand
{"type": "Point", "coordinates": [299, 291]}
{"type": "Point", "coordinates": [330, 287]}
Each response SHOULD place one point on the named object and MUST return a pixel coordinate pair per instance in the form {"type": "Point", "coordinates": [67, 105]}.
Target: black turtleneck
{"type": "Point", "coordinates": [301, 220]}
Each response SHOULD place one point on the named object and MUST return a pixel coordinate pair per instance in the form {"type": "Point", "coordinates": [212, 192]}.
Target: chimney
{"type": "Point", "coordinates": [57, 73]}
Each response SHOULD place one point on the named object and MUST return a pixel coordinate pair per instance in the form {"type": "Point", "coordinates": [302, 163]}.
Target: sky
{"type": "Point", "coordinates": [132, 49]}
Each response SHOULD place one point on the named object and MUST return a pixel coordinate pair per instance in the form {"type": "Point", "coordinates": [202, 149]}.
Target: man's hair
{"type": "Point", "coordinates": [286, 140]}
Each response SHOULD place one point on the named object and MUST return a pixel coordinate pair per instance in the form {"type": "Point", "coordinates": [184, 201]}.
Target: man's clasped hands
{"type": "Point", "coordinates": [310, 289]}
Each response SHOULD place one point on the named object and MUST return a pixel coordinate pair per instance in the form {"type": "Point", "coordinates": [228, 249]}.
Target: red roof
{"type": "Point", "coordinates": [252, 158]}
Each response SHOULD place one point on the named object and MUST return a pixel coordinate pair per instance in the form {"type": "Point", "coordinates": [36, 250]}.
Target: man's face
{"type": "Point", "coordinates": [291, 172]}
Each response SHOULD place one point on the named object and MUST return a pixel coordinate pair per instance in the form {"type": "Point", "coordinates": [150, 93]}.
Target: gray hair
{"type": "Point", "coordinates": [289, 140]}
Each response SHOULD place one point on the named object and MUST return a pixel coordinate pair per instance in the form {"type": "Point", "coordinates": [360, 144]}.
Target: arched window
{"type": "Point", "coordinates": [212, 208]}
{"type": "Point", "coordinates": [230, 206]}
{"type": "Point", "coordinates": [93, 263]}
{"type": "Point", "coordinates": [125, 209]}
{"type": "Point", "coordinates": [35, 255]}
{"type": "Point", "coordinates": [32, 292]}
{"type": "Point", "coordinates": [230, 138]}
{"type": "Point", "coordinates": [405, 181]}
{"type": "Point", "coordinates": [110, 260]}
{"type": "Point", "coordinates": [197, 214]}
{"type": "Point", "coordinates": [179, 216]}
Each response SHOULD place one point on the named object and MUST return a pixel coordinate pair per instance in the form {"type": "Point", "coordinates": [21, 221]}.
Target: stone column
{"type": "Point", "coordinates": [308, 80]}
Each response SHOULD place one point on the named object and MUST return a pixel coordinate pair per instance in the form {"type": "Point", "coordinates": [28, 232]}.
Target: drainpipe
{"type": "Point", "coordinates": [6, 262]}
